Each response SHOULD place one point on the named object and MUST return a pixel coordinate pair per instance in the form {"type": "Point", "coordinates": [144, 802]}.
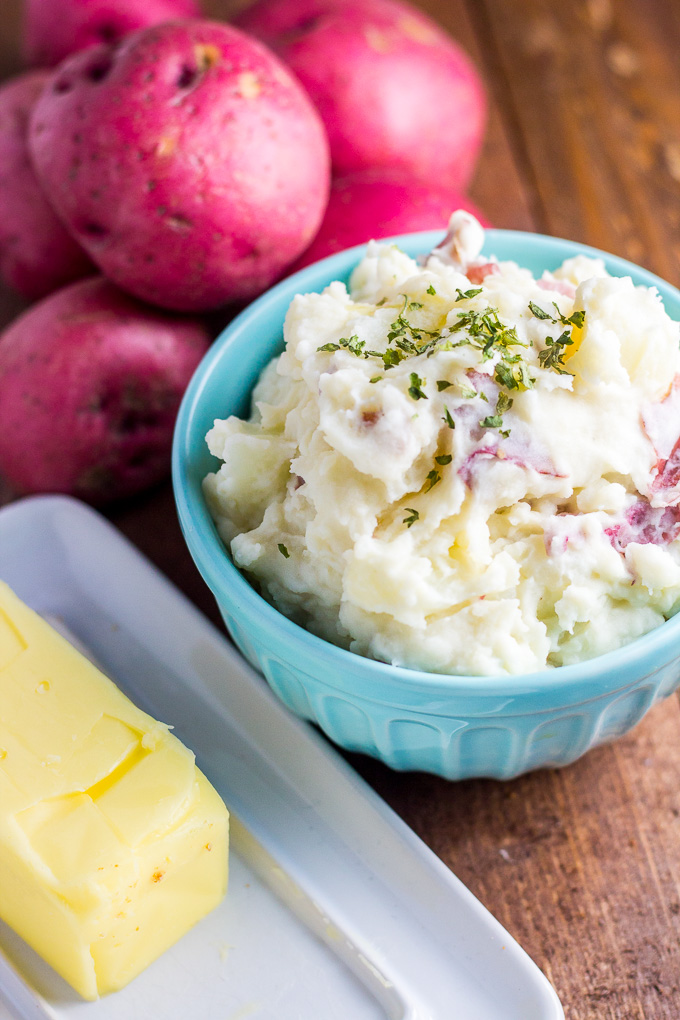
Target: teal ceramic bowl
{"type": "Point", "coordinates": [455, 726]}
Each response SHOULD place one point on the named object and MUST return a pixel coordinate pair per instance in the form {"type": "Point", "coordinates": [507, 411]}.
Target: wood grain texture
{"type": "Point", "coordinates": [593, 89]}
{"type": "Point", "coordinates": [499, 187]}
{"type": "Point", "coordinates": [582, 865]}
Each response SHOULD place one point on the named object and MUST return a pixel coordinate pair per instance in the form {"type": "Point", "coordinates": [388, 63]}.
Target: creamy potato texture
{"type": "Point", "coordinates": [457, 467]}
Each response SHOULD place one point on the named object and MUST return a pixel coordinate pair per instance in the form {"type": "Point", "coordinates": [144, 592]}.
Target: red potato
{"type": "Point", "coordinates": [393, 89]}
{"type": "Point", "coordinates": [188, 162]}
{"type": "Point", "coordinates": [53, 29]}
{"type": "Point", "coordinates": [90, 384]}
{"type": "Point", "coordinates": [37, 254]}
{"type": "Point", "coordinates": [373, 205]}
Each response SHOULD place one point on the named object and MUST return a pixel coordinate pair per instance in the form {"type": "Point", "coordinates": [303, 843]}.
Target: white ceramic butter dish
{"type": "Point", "coordinates": [335, 910]}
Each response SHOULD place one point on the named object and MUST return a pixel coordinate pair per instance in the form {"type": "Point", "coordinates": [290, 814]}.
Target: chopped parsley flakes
{"type": "Point", "coordinates": [412, 517]}
{"type": "Point", "coordinates": [353, 344]}
{"type": "Point", "coordinates": [483, 330]}
{"type": "Point", "coordinates": [432, 478]}
{"type": "Point", "coordinates": [464, 295]}
{"type": "Point", "coordinates": [391, 358]}
{"type": "Point", "coordinates": [492, 421]}
{"type": "Point", "coordinates": [538, 312]}
{"type": "Point", "coordinates": [575, 319]}
{"type": "Point", "coordinates": [415, 389]}
{"type": "Point", "coordinates": [469, 392]}
{"type": "Point", "coordinates": [553, 354]}
{"type": "Point", "coordinates": [495, 421]}
{"type": "Point", "coordinates": [504, 403]}
{"type": "Point", "coordinates": [283, 550]}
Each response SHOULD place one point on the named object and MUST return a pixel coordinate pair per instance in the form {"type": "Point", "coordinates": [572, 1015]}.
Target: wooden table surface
{"type": "Point", "coordinates": [582, 864]}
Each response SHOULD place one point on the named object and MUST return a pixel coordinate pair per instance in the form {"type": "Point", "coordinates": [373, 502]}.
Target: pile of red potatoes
{"type": "Point", "coordinates": [156, 166]}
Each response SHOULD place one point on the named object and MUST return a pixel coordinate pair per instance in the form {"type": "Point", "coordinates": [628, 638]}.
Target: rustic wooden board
{"type": "Point", "coordinates": [582, 865]}
{"type": "Point", "coordinates": [593, 90]}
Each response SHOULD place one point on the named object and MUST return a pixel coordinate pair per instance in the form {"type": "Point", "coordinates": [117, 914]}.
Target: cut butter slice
{"type": "Point", "coordinates": [112, 843]}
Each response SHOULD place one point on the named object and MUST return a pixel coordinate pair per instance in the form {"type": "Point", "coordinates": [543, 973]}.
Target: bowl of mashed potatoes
{"type": "Point", "coordinates": [434, 486]}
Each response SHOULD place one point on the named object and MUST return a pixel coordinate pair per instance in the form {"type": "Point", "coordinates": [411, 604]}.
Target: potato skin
{"type": "Point", "coordinates": [53, 29]}
{"type": "Point", "coordinates": [376, 204]}
{"type": "Point", "coordinates": [393, 89]}
{"type": "Point", "coordinates": [188, 162]}
{"type": "Point", "coordinates": [90, 384]}
{"type": "Point", "coordinates": [37, 254]}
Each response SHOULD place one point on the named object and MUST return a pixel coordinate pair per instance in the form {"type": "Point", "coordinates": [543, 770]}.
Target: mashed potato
{"type": "Point", "coordinates": [456, 467]}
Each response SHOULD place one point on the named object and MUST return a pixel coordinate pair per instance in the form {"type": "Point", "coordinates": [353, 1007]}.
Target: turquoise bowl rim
{"type": "Point", "coordinates": [575, 684]}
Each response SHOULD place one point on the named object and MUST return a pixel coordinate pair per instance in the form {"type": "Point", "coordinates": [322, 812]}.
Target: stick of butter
{"type": "Point", "coordinates": [112, 843]}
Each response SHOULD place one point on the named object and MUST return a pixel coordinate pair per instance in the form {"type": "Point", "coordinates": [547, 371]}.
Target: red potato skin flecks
{"type": "Point", "coordinates": [54, 29]}
{"type": "Point", "coordinates": [37, 254]}
{"type": "Point", "coordinates": [377, 204]}
{"type": "Point", "coordinates": [188, 162]}
{"type": "Point", "coordinates": [393, 89]}
{"type": "Point", "coordinates": [90, 385]}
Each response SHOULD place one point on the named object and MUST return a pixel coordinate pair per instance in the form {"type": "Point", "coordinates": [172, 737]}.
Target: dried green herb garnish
{"type": "Point", "coordinates": [513, 373]}
{"type": "Point", "coordinates": [553, 355]}
{"type": "Point", "coordinates": [415, 389]}
{"type": "Point", "coordinates": [353, 344]}
{"type": "Point", "coordinates": [445, 458]}
{"type": "Point", "coordinates": [283, 550]}
{"type": "Point", "coordinates": [504, 403]}
{"type": "Point", "coordinates": [488, 334]}
{"type": "Point", "coordinates": [391, 358]}
{"type": "Point", "coordinates": [432, 478]}
{"type": "Point", "coordinates": [406, 336]}
{"type": "Point", "coordinates": [492, 421]}
{"type": "Point", "coordinates": [575, 319]}
{"type": "Point", "coordinates": [495, 421]}
{"type": "Point", "coordinates": [448, 419]}
{"type": "Point", "coordinates": [412, 518]}
{"type": "Point", "coordinates": [483, 330]}
{"type": "Point", "coordinates": [538, 312]}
